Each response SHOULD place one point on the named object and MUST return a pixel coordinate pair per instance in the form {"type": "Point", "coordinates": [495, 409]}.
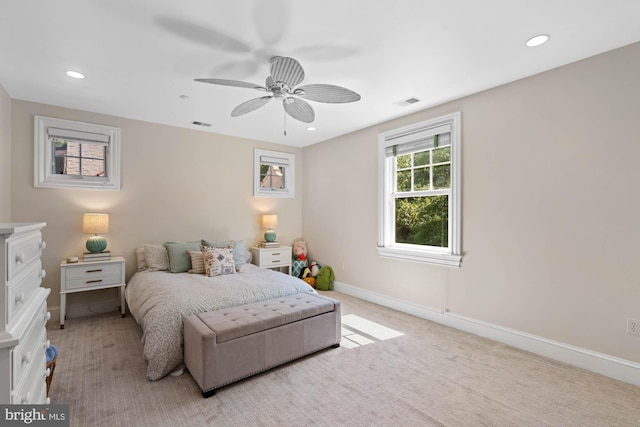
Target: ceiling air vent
{"type": "Point", "coordinates": [408, 101]}
{"type": "Point", "coordinates": [207, 125]}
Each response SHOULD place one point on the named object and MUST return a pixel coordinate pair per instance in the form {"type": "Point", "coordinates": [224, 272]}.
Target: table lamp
{"type": "Point", "coordinates": [94, 223]}
{"type": "Point", "coordinates": [270, 222]}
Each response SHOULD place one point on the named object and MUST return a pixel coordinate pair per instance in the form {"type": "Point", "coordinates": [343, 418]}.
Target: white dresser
{"type": "Point", "coordinates": [23, 309]}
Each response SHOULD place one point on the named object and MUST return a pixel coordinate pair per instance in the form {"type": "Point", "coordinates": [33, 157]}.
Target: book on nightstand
{"type": "Point", "coordinates": [96, 256]}
{"type": "Point", "coordinates": [265, 244]}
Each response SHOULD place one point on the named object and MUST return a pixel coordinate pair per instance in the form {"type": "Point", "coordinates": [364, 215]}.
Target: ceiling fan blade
{"type": "Point", "coordinates": [234, 83]}
{"type": "Point", "coordinates": [330, 94]}
{"type": "Point", "coordinates": [250, 105]}
{"type": "Point", "coordinates": [206, 36]}
{"type": "Point", "coordinates": [299, 109]}
{"type": "Point", "coordinates": [287, 70]}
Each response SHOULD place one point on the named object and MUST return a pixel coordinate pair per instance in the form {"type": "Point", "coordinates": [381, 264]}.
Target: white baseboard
{"type": "Point", "coordinates": [613, 367]}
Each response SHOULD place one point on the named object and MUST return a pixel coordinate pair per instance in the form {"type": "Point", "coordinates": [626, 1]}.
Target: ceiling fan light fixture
{"type": "Point", "coordinates": [286, 74]}
{"type": "Point", "coordinates": [538, 40]}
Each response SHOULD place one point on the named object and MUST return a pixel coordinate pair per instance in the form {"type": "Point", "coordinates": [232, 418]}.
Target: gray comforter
{"type": "Point", "coordinates": [159, 300]}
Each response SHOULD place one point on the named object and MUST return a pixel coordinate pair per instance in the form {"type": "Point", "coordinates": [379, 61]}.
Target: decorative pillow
{"type": "Point", "coordinates": [142, 263]}
{"type": "Point", "coordinates": [239, 249]}
{"type": "Point", "coordinates": [156, 257]}
{"type": "Point", "coordinates": [179, 259]}
{"type": "Point", "coordinates": [218, 261]}
{"type": "Point", "coordinates": [197, 262]}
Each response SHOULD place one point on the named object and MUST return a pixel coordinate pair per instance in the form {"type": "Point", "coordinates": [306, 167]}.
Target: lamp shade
{"type": "Point", "coordinates": [269, 221]}
{"type": "Point", "coordinates": [95, 223]}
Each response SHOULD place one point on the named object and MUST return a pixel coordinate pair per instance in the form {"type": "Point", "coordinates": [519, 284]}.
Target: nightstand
{"type": "Point", "coordinates": [271, 257]}
{"type": "Point", "coordinates": [89, 276]}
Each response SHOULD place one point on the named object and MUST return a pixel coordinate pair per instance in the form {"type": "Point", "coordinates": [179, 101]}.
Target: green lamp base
{"type": "Point", "coordinates": [270, 236]}
{"type": "Point", "coordinates": [96, 244]}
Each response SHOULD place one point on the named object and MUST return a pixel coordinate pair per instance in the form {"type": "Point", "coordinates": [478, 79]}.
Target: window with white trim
{"type": "Point", "coordinates": [419, 192]}
{"type": "Point", "coordinates": [70, 154]}
{"type": "Point", "coordinates": [274, 174]}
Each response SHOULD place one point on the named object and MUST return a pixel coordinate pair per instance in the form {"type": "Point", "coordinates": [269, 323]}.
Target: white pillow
{"type": "Point", "coordinates": [218, 261]}
{"type": "Point", "coordinates": [156, 257]}
{"type": "Point", "coordinates": [197, 262]}
{"type": "Point", "coordinates": [140, 260]}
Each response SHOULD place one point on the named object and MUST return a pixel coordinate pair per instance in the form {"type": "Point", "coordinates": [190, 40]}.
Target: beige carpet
{"type": "Point", "coordinates": [430, 376]}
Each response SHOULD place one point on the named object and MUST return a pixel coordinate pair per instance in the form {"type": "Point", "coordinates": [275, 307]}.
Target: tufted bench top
{"type": "Point", "coordinates": [235, 322]}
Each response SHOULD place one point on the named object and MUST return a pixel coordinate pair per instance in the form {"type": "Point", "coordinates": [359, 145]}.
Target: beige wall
{"type": "Point", "coordinates": [5, 156]}
{"type": "Point", "coordinates": [177, 184]}
{"type": "Point", "coordinates": [550, 211]}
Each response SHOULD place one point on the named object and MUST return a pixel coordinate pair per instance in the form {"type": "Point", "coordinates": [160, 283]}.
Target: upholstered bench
{"type": "Point", "coordinates": [227, 345]}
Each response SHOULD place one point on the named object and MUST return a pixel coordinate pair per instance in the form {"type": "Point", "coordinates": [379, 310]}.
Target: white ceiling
{"type": "Point", "coordinates": [140, 56]}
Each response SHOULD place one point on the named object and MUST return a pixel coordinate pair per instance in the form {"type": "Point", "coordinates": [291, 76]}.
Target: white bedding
{"type": "Point", "coordinates": [159, 300]}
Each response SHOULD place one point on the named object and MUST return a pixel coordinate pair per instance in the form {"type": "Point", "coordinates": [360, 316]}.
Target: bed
{"type": "Point", "coordinates": [159, 300]}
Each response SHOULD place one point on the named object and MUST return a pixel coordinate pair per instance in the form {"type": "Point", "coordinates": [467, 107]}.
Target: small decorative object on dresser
{"type": "Point", "coordinates": [23, 315]}
{"type": "Point", "coordinates": [272, 257]}
{"type": "Point", "coordinates": [89, 276]}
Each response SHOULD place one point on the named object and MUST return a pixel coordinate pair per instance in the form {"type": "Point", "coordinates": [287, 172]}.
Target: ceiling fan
{"type": "Point", "coordinates": [286, 74]}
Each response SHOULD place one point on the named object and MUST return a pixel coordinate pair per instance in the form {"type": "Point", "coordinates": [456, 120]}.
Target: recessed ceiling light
{"type": "Point", "coordinates": [311, 128]}
{"type": "Point", "coordinates": [75, 74]}
{"type": "Point", "coordinates": [537, 40]}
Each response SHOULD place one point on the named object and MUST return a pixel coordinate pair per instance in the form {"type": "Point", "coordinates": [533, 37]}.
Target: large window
{"type": "Point", "coordinates": [419, 192]}
{"type": "Point", "coordinates": [76, 154]}
{"type": "Point", "coordinates": [274, 174]}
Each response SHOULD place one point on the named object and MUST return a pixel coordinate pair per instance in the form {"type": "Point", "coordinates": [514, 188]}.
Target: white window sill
{"type": "Point", "coordinates": [432, 258]}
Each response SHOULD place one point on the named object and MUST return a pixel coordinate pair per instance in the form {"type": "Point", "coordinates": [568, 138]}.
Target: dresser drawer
{"type": "Point", "coordinates": [29, 389]}
{"type": "Point", "coordinates": [275, 257]}
{"type": "Point", "coordinates": [20, 291]}
{"type": "Point", "coordinates": [32, 346]}
{"type": "Point", "coordinates": [95, 275]}
{"type": "Point", "coordinates": [23, 251]}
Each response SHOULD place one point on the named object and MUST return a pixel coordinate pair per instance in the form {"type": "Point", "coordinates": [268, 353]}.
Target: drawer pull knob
{"type": "Point", "coordinates": [47, 344]}
{"type": "Point", "coordinates": [47, 316]}
{"type": "Point", "coordinates": [275, 253]}
{"type": "Point", "coordinates": [94, 271]}
{"type": "Point", "coordinates": [26, 358]}
{"type": "Point", "coordinates": [275, 261]}
{"type": "Point", "coordinates": [43, 274]}
{"type": "Point", "coordinates": [43, 245]}
{"type": "Point", "coordinates": [20, 298]}
{"type": "Point", "coordinates": [47, 372]}
{"type": "Point", "coordinates": [94, 281]}
{"type": "Point", "coordinates": [27, 398]}
{"type": "Point", "coordinates": [48, 401]}
{"type": "Point", "coordinates": [19, 258]}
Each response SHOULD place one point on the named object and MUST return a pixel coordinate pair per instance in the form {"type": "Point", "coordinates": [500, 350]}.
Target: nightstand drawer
{"type": "Point", "coordinates": [98, 275]}
{"type": "Point", "coordinates": [22, 252]}
{"type": "Point", "coordinates": [275, 257]}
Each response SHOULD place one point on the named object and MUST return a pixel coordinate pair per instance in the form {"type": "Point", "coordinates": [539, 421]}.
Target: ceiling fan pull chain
{"type": "Point", "coordinates": [285, 122]}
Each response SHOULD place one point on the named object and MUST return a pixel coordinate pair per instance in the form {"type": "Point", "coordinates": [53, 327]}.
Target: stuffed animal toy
{"type": "Point", "coordinates": [324, 281]}
{"type": "Point", "coordinates": [315, 267]}
{"type": "Point", "coordinates": [310, 281]}
{"type": "Point", "coordinates": [299, 250]}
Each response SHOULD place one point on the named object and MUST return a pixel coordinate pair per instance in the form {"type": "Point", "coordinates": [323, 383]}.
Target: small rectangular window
{"type": "Point", "coordinates": [274, 174]}
{"type": "Point", "coordinates": [76, 154]}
